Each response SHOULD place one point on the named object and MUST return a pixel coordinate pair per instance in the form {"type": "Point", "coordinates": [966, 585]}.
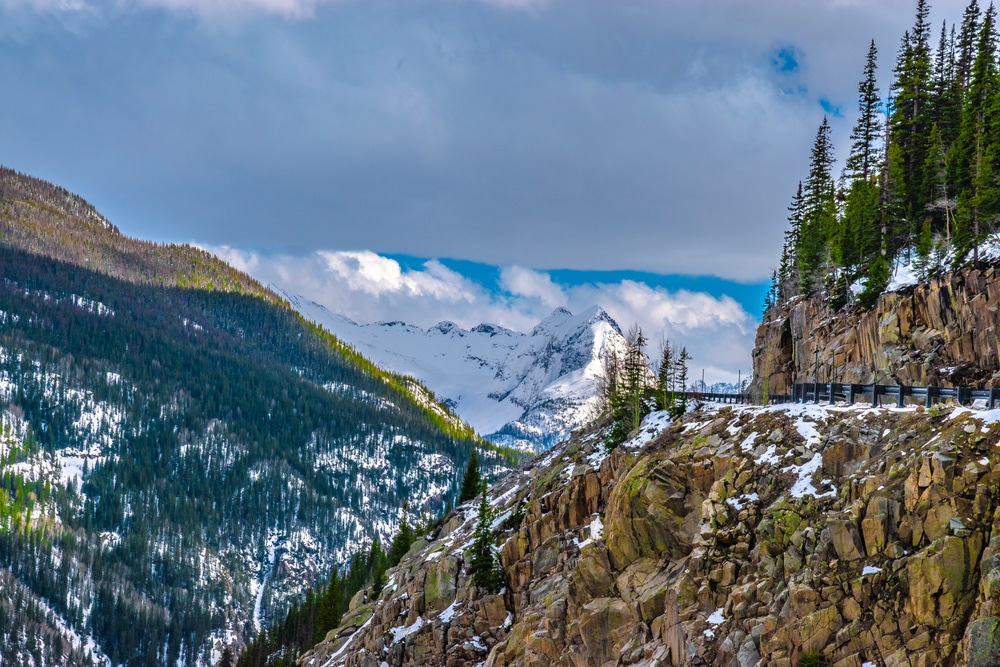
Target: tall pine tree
{"type": "Point", "coordinates": [866, 155]}
{"type": "Point", "coordinates": [910, 122]}
{"type": "Point", "coordinates": [966, 48]}
{"type": "Point", "coordinates": [970, 165]}
{"type": "Point", "coordinates": [788, 274]}
{"type": "Point", "coordinates": [945, 104]}
{"type": "Point", "coordinates": [818, 212]}
{"type": "Point", "coordinates": [487, 575]}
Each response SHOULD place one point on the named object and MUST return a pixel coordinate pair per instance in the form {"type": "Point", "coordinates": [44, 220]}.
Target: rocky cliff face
{"type": "Point", "coordinates": [943, 332]}
{"type": "Point", "coordinates": [737, 537]}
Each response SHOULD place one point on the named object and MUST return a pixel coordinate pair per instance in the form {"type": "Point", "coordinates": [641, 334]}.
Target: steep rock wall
{"type": "Point", "coordinates": [737, 537]}
{"type": "Point", "coordinates": [945, 332]}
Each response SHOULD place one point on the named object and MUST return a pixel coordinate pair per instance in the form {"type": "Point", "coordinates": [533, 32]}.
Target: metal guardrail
{"type": "Point", "coordinates": [737, 399]}
{"type": "Point", "coordinates": [831, 392]}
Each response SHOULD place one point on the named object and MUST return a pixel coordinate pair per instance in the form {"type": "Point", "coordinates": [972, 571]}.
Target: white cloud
{"type": "Point", "coordinates": [368, 287]}
{"type": "Point", "coordinates": [528, 284]}
{"type": "Point", "coordinates": [373, 274]}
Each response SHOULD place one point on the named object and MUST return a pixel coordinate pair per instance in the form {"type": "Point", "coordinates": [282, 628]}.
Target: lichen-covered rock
{"type": "Point", "coordinates": [737, 537]}
{"type": "Point", "coordinates": [983, 644]}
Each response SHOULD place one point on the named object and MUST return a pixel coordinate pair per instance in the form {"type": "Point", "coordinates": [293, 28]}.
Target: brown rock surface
{"type": "Point", "coordinates": [729, 540]}
{"type": "Point", "coordinates": [939, 333]}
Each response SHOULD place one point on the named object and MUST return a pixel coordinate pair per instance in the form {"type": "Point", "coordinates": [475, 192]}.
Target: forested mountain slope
{"type": "Point", "coordinates": [181, 451]}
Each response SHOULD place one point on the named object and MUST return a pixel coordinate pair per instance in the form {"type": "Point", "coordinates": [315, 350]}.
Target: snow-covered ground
{"type": "Point", "coordinates": [906, 271]}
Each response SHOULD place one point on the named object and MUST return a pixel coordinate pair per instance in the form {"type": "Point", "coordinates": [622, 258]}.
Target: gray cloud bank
{"type": "Point", "coordinates": [655, 136]}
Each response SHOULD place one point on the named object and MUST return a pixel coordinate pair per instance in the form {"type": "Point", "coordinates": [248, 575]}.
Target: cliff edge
{"type": "Point", "coordinates": [737, 536]}
{"type": "Point", "coordinates": [943, 332]}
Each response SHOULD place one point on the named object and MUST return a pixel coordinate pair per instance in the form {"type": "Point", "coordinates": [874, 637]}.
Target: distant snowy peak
{"type": "Point", "coordinates": [563, 321]}
{"type": "Point", "coordinates": [522, 390]}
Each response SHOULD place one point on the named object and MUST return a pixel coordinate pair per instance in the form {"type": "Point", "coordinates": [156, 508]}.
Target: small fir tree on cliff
{"type": "Point", "coordinates": [404, 538]}
{"type": "Point", "coordinates": [471, 481]}
{"type": "Point", "coordinates": [487, 575]}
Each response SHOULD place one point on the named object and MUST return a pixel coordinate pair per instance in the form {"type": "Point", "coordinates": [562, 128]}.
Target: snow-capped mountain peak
{"type": "Point", "coordinates": [523, 390]}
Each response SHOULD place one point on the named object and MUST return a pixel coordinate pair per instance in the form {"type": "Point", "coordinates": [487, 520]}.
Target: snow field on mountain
{"type": "Point", "coordinates": [527, 391]}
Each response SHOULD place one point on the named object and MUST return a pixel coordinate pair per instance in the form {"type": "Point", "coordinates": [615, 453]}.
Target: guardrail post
{"type": "Point", "coordinates": [850, 394]}
{"type": "Point", "coordinates": [874, 395]}
{"type": "Point", "coordinates": [816, 392]}
{"type": "Point", "coordinates": [831, 394]}
{"type": "Point", "coordinates": [930, 397]}
{"type": "Point", "coordinates": [993, 398]}
{"type": "Point", "coordinates": [899, 399]}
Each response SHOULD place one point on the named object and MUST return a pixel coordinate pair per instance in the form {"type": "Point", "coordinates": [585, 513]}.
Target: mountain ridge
{"type": "Point", "coordinates": [524, 390]}
{"type": "Point", "coordinates": [188, 451]}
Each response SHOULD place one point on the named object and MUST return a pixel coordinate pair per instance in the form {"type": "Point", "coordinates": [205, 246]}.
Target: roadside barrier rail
{"type": "Point", "coordinates": [831, 392]}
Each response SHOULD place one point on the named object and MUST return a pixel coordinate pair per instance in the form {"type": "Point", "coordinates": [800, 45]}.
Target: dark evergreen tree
{"type": "Point", "coordinates": [484, 566]}
{"type": "Point", "coordinates": [227, 659]}
{"type": "Point", "coordinates": [971, 169]}
{"type": "Point", "coordinates": [471, 480]}
{"type": "Point", "coordinates": [664, 377]}
{"type": "Point", "coordinates": [819, 212]}
{"type": "Point", "coordinates": [635, 376]}
{"type": "Point", "coordinates": [404, 538]}
{"type": "Point", "coordinates": [945, 103]}
{"type": "Point", "coordinates": [866, 155]}
{"type": "Point", "coordinates": [771, 298]}
{"type": "Point", "coordinates": [629, 380]}
{"type": "Point", "coordinates": [377, 565]}
{"type": "Point", "coordinates": [910, 122]}
{"type": "Point", "coordinates": [330, 606]}
{"type": "Point", "coordinates": [788, 275]}
{"type": "Point", "coordinates": [966, 48]}
{"type": "Point", "coordinates": [940, 203]}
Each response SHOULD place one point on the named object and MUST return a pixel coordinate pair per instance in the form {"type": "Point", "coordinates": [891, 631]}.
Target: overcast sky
{"type": "Point", "coordinates": [625, 135]}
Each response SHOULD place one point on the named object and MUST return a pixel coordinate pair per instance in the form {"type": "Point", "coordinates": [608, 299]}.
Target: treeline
{"type": "Point", "coordinates": [630, 390]}
{"type": "Point", "coordinates": [921, 182]}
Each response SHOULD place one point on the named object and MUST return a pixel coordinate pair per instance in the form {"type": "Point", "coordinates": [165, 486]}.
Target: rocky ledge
{"type": "Point", "coordinates": [942, 332]}
{"type": "Point", "coordinates": [782, 536]}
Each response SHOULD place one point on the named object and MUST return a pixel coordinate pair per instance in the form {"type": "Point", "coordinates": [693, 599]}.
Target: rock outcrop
{"type": "Point", "coordinates": [736, 537]}
{"type": "Point", "coordinates": [939, 333]}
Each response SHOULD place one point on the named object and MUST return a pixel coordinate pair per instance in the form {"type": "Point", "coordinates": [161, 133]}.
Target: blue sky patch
{"type": "Point", "coordinates": [830, 108]}
{"type": "Point", "coordinates": [785, 60]}
{"type": "Point", "coordinates": [749, 295]}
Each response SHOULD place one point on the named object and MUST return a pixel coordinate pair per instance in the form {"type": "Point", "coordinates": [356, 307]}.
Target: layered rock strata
{"type": "Point", "coordinates": [940, 333]}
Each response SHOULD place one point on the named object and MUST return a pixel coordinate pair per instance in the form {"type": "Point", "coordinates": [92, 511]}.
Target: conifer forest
{"type": "Point", "coordinates": [184, 456]}
{"type": "Point", "coordinates": [921, 181]}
